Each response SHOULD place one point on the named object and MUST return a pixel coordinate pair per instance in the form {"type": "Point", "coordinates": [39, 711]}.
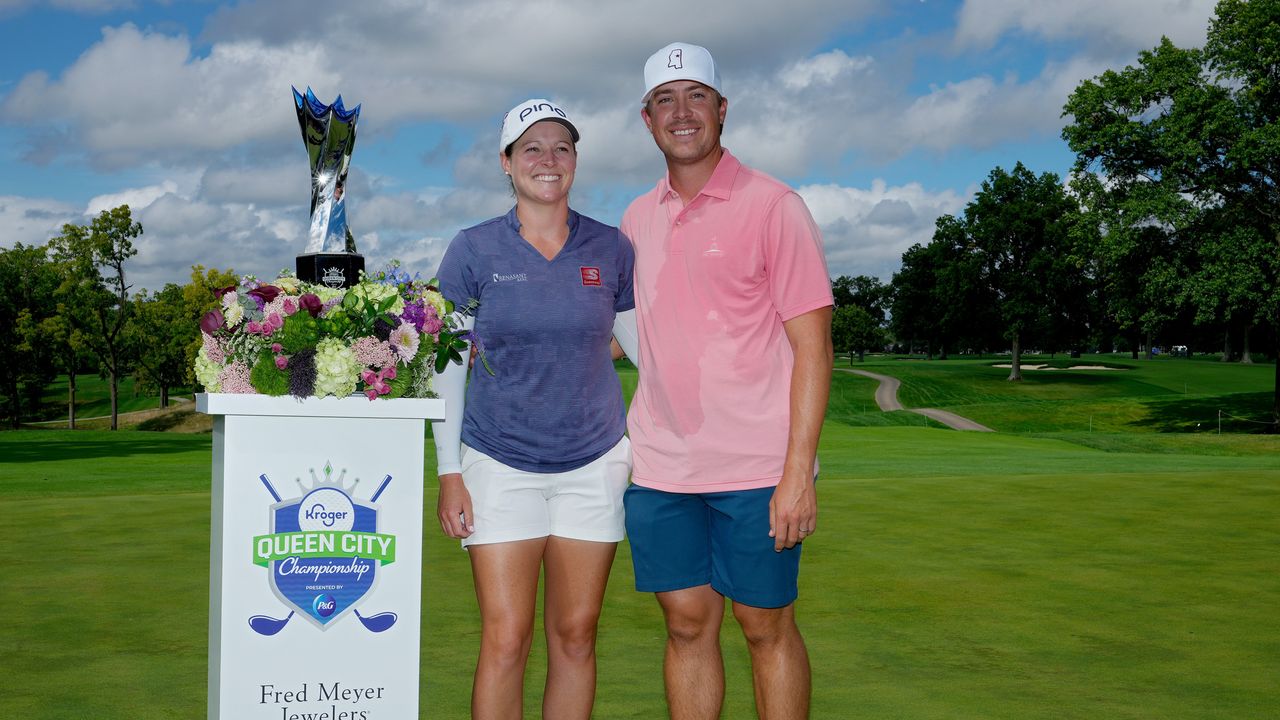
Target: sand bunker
{"type": "Point", "coordinates": [1033, 366]}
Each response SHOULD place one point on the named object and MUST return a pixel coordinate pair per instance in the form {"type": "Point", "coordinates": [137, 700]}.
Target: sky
{"type": "Point", "coordinates": [882, 114]}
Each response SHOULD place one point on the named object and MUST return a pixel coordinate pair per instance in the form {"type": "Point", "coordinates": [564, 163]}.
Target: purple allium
{"type": "Point", "coordinates": [302, 373]}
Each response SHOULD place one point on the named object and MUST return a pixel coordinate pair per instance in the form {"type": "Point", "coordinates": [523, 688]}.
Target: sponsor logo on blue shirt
{"type": "Point", "coordinates": [513, 277]}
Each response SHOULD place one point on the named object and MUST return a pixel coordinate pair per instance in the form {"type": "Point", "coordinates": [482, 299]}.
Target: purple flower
{"type": "Point", "coordinates": [264, 294]}
{"type": "Point", "coordinates": [413, 313]}
{"type": "Point", "coordinates": [211, 321]}
{"type": "Point", "coordinates": [311, 303]}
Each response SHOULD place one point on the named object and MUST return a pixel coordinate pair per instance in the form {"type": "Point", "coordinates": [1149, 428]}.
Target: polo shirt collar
{"type": "Point", "coordinates": [513, 221]}
{"type": "Point", "coordinates": [719, 185]}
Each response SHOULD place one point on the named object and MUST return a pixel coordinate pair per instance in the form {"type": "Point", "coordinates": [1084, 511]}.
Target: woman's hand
{"type": "Point", "coordinates": [453, 507]}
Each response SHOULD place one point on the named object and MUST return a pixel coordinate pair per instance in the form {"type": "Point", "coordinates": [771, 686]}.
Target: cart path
{"type": "Point", "coordinates": [887, 399]}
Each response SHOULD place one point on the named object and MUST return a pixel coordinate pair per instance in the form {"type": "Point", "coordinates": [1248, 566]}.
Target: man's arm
{"type": "Point", "coordinates": [793, 511]}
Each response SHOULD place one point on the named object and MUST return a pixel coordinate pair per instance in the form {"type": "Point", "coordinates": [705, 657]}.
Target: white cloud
{"type": "Point", "coordinates": [135, 198]}
{"type": "Point", "coordinates": [866, 230]}
{"type": "Point", "coordinates": [33, 221]}
{"type": "Point", "coordinates": [135, 97]}
{"type": "Point", "coordinates": [1108, 25]}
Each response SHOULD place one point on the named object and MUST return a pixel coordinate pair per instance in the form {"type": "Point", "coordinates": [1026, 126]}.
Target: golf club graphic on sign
{"type": "Point", "coordinates": [324, 554]}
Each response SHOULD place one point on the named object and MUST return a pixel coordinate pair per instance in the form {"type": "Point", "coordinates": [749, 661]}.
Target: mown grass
{"type": "Point", "coordinates": [93, 400]}
{"type": "Point", "coordinates": [954, 575]}
{"type": "Point", "coordinates": [1161, 395]}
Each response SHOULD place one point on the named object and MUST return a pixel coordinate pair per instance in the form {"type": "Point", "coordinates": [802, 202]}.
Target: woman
{"type": "Point", "coordinates": [533, 477]}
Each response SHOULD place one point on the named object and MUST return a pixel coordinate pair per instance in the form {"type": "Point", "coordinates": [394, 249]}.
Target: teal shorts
{"type": "Point", "coordinates": [684, 540]}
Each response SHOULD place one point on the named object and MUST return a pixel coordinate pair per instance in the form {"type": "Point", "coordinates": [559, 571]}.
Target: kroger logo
{"type": "Point", "coordinates": [328, 517]}
{"type": "Point", "coordinates": [324, 605]}
{"type": "Point", "coordinates": [326, 509]}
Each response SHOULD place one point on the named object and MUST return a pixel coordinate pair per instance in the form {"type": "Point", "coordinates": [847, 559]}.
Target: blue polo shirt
{"type": "Point", "coordinates": [553, 402]}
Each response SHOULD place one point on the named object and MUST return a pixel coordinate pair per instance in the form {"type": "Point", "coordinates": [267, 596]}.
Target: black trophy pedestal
{"type": "Point", "coordinates": [337, 270]}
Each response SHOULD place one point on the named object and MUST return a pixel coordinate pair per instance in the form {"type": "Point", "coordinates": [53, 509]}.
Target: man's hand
{"type": "Point", "coordinates": [793, 511]}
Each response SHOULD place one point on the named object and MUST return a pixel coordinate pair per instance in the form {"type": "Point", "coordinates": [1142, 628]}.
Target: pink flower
{"type": "Point", "coordinates": [277, 347]}
{"type": "Point", "coordinates": [254, 327]}
{"type": "Point", "coordinates": [282, 362]}
{"type": "Point", "coordinates": [432, 324]}
{"type": "Point", "coordinates": [375, 382]}
{"type": "Point", "coordinates": [213, 348]}
{"type": "Point", "coordinates": [234, 378]}
{"type": "Point", "coordinates": [274, 321]}
{"type": "Point", "coordinates": [371, 351]}
{"type": "Point", "coordinates": [404, 340]}
{"type": "Point", "coordinates": [290, 307]}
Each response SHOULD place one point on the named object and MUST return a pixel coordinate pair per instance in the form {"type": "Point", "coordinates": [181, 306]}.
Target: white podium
{"type": "Point", "coordinates": [315, 563]}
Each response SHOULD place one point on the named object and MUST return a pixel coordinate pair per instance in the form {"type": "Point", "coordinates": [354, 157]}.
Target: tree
{"type": "Point", "coordinates": [1018, 226]}
{"type": "Point", "coordinates": [914, 312]}
{"type": "Point", "coordinates": [198, 298]}
{"type": "Point", "coordinates": [854, 330]}
{"type": "Point", "coordinates": [26, 299]}
{"type": "Point", "coordinates": [95, 257]}
{"type": "Point", "coordinates": [864, 291]}
{"type": "Point", "coordinates": [158, 334]}
{"type": "Point", "coordinates": [1200, 129]}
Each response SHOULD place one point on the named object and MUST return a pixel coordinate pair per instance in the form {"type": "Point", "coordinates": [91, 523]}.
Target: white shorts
{"type": "Point", "coordinates": [580, 504]}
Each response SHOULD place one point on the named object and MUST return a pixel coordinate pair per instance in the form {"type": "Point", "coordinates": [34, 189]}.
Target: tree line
{"type": "Point", "coordinates": [1167, 230]}
{"type": "Point", "coordinates": [66, 307]}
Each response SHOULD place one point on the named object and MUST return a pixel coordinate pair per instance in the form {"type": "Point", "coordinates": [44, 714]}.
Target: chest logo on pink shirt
{"type": "Point", "coordinates": [713, 250]}
{"type": "Point", "coordinates": [590, 276]}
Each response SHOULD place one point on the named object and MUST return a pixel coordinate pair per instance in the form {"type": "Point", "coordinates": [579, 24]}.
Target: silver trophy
{"type": "Point", "coordinates": [329, 132]}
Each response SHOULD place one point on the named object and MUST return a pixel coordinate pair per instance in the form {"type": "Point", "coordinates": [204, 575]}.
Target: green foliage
{"type": "Point", "coordinates": [300, 331]}
{"type": "Point", "coordinates": [27, 283]}
{"type": "Point", "coordinates": [94, 294]}
{"type": "Point", "coordinates": [1189, 141]}
{"type": "Point", "coordinates": [267, 378]}
{"type": "Point", "coordinates": [854, 330]}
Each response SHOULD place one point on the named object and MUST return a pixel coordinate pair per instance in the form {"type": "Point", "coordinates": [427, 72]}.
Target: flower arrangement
{"type": "Point", "coordinates": [386, 336]}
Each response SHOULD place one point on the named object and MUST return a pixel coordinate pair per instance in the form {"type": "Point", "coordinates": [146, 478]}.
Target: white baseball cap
{"type": "Point", "coordinates": [680, 61]}
{"type": "Point", "coordinates": [524, 115]}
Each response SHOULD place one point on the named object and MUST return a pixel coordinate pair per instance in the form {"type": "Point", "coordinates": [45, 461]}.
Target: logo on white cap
{"type": "Point", "coordinates": [524, 115]}
{"type": "Point", "coordinates": [680, 61]}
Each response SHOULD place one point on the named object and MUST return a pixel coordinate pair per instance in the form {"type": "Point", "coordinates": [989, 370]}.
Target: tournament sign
{"type": "Point", "coordinates": [323, 553]}
{"type": "Point", "coordinates": [315, 584]}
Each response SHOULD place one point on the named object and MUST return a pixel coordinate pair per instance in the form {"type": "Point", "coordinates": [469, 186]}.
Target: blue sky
{"type": "Point", "coordinates": [884, 114]}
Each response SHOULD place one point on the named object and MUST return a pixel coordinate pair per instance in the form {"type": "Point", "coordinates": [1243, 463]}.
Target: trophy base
{"type": "Point", "coordinates": [336, 270]}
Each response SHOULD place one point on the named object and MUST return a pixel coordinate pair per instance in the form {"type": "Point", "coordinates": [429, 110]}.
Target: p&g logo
{"type": "Point", "coordinates": [324, 605]}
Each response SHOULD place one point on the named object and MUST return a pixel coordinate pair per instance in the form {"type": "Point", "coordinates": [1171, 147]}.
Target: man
{"type": "Point", "coordinates": [733, 305]}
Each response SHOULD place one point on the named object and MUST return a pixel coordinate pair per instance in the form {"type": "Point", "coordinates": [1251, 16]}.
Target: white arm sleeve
{"type": "Point", "coordinates": [624, 331]}
{"type": "Point", "coordinates": [451, 386]}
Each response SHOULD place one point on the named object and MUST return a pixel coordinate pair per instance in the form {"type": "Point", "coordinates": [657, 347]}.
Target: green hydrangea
{"type": "Point", "coordinates": [337, 369]}
{"type": "Point", "coordinates": [207, 372]}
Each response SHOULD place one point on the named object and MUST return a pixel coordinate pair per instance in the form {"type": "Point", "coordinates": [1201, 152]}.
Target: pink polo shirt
{"type": "Point", "coordinates": [715, 280]}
